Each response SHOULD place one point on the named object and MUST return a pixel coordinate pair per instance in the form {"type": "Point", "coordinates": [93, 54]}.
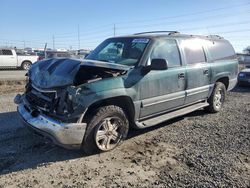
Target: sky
{"type": "Point", "coordinates": [84, 23]}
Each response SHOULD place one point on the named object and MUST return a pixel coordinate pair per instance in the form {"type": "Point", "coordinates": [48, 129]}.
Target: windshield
{"type": "Point", "coordinates": [124, 51]}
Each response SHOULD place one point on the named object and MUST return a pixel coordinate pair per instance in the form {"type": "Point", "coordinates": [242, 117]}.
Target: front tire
{"type": "Point", "coordinates": [106, 130]}
{"type": "Point", "coordinates": [217, 98]}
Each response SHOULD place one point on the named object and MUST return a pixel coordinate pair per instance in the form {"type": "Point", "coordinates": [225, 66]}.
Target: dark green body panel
{"type": "Point", "coordinates": [158, 91]}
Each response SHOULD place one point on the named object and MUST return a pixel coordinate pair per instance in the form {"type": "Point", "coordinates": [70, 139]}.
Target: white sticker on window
{"type": "Point", "coordinates": [141, 40]}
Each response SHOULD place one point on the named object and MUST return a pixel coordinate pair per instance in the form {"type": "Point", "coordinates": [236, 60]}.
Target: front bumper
{"type": "Point", "coordinates": [67, 135]}
{"type": "Point", "coordinates": [244, 81]}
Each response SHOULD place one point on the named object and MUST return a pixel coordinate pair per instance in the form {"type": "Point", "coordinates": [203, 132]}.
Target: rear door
{"type": "Point", "coordinates": [198, 70]}
{"type": "Point", "coordinates": [163, 90]}
{"type": "Point", "coordinates": [8, 59]}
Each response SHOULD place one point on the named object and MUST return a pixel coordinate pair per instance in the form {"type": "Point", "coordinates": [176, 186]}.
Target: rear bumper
{"type": "Point", "coordinates": [67, 135]}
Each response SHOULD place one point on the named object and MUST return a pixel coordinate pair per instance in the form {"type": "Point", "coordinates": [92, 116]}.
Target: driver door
{"type": "Point", "coordinates": [163, 90]}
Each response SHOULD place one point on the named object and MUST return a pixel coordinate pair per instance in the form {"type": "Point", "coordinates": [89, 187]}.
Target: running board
{"type": "Point", "coordinates": [170, 115]}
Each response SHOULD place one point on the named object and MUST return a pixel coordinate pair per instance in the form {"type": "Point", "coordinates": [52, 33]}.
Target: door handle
{"type": "Point", "coordinates": [206, 72]}
{"type": "Point", "coordinates": [181, 76]}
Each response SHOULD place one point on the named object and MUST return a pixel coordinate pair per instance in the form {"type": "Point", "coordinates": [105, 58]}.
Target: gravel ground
{"type": "Point", "coordinates": [197, 150]}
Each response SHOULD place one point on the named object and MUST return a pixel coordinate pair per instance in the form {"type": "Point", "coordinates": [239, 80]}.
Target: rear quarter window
{"type": "Point", "coordinates": [221, 50]}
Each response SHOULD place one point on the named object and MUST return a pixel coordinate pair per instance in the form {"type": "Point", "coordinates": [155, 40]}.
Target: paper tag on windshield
{"type": "Point", "coordinates": [140, 40]}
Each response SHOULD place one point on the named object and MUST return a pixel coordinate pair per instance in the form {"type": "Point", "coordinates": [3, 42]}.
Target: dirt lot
{"type": "Point", "coordinates": [11, 86]}
{"type": "Point", "coordinates": [197, 150]}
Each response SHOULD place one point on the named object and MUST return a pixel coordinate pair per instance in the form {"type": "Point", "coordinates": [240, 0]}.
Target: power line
{"type": "Point", "coordinates": [107, 27]}
{"type": "Point", "coordinates": [188, 14]}
{"type": "Point", "coordinates": [218, 16]}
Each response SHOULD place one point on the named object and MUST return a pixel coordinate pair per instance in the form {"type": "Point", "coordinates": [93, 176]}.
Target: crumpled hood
{"type": "Point", "coordinates": [52, 73]}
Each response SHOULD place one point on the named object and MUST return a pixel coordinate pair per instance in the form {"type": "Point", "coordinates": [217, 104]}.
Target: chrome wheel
{"type": "Point", "coordinates": [218, 98]}
{"type": "Point", "coordinates": [108, 134]}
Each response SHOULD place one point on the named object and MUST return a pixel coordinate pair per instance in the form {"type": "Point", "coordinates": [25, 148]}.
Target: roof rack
{"type": "Point", "coordinates": [152, 32]}
{"type": "Point", "coordinates": [214, 36]}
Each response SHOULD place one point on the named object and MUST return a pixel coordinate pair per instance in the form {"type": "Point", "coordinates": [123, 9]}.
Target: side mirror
{"type": "Point", "coordinates": [159, 64]}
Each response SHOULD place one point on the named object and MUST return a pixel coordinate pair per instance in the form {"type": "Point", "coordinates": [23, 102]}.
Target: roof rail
{"type": "Point", "coordinates": [151, 32]}
{"type": "Point", "coordinates": [215, 36]}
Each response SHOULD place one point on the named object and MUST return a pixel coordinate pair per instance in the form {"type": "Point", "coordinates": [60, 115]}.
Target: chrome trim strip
{"type": "Point", "coordinates": [162, 101]}
{"type": "Point", "coordinates": [197, 92]}
{"type": "Point", "coordinates": [43, 91]}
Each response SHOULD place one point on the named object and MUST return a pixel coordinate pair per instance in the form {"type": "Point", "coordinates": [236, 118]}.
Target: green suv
{"type": "Point", "coordinates": [134, 81]}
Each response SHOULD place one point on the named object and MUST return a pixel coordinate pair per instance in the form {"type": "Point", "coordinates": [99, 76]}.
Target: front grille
{"type": "Point", "coordinates": [41, 99]}
{"type": "Point", "coordinates": [247, 75]}
{"type": "Point", "coordinates": [37, 101]}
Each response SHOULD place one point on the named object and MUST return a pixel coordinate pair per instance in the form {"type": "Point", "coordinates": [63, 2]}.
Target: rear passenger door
{"type": "Point", "coordinates": [163, 90]}
{"type": "Point", "coordinates": [198, 70]}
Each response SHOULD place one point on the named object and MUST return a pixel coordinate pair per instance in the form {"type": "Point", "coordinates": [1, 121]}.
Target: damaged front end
{"type": "Point", "coordinates": [50, 104]}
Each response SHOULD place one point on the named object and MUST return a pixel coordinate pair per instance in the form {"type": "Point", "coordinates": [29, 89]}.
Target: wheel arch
{"type": "Point", "coordinates": [224, 80]}
{"type": "Point", "coordinates": [24, 61]}
{"type": "Point", "coordinates": [124, 102]}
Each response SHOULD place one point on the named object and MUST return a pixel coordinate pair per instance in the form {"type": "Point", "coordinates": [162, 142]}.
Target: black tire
{"type": "Point", "coordinates": [217, 98]}
{"type": "Point", "coordinates": [26, 65]}
{"type": "Point", "coordinates": [90, 144]}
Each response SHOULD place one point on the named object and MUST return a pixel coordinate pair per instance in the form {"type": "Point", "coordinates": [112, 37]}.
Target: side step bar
{"type": "Point", "coordinates": [170, 115]}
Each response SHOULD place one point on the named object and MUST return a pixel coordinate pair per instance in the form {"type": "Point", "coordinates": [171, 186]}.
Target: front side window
{"type": "Point", "coordinates": [167, 49]}
{"type": "Point", "coordinates": [124, 51]}
{"type": "Point", "coordinates": [193, 50]}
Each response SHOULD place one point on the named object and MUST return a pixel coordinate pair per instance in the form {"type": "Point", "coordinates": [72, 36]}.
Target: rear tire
{"type": "Point", "coordinates": [217, 98]}
{"type": "Point", "coordinates": [106, 130]}
{"type": "Point", "coordinates": [26, 65]}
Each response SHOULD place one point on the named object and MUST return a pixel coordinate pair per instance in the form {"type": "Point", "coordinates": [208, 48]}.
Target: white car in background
{"type": "Point", "coordinates": [10, 59]}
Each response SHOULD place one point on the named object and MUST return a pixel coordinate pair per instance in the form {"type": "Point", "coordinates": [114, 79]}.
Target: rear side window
{"type": "Point", "coordinates": [221, 50]}
{"type": "Point", "coordinates": [7, 52]}
{"type": "Point", "coordinates": [194, 51]}
{"type": "Point", "coordinates": [167, 49]}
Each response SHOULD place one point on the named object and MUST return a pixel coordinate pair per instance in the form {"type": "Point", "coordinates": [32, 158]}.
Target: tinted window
{"type": "Point", "coordinates": [0, 52]}
{"type": "Point", "coordinates": [221, 50]}
{"type": "Point", "coordinates": [167, 49]}
{"type": "Point", "coordinates": [7, 52]}
{"type": "Point", "coordinates": [193, 51]}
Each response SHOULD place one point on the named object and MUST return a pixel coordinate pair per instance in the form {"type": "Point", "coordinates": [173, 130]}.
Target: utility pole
{"type": "Point", "coordinates": [45, 50]}
{"type": "Point", "coordinates": [114, 30]}
{"type": "Point", "coordinates": [24, 44]}
{"type": "Point", "coordinates": [53, 42]}
{"type": "Point", "coordinates": [78, 34]}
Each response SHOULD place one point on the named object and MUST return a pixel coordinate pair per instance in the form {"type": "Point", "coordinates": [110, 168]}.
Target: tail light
{"type": "Point", "coordinates": [39, 58]}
